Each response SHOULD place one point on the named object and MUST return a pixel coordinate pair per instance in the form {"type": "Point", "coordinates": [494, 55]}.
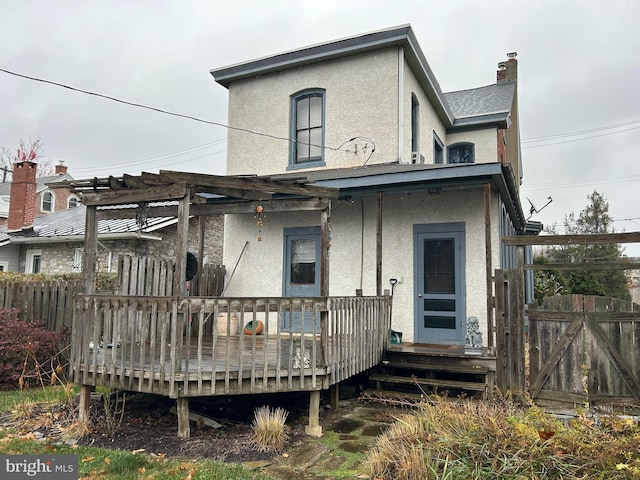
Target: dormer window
{"type": "Point", "coordinates": [72, 202]}
{"type": "Point", "coordinates": [47, 202]}
{"type": "Point", "coordinates": [307, 128]}
{"type": "Point", "coordinates": [461, 153]}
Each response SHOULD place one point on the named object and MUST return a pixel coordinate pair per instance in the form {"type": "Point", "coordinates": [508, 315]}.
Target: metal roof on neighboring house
{"type": "Point", "coordinates": [68, 225]}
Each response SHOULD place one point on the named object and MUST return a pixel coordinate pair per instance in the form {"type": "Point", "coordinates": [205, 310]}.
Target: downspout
{"type": "Point", "coordinates": [400, 101]}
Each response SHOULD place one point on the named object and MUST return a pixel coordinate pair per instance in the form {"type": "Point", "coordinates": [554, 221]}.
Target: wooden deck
{"type": "Point", "coordinates": [178, 346]}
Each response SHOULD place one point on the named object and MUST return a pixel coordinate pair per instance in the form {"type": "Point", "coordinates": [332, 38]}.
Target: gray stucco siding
{"type": "Point", "coordinates": [359, 102]}
{"type": "Point", "coordinates": [353, 237]}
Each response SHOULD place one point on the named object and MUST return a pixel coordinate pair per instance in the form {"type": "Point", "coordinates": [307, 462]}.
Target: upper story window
{"type": "Point", "coordinates": [438, 149]}
{"type": "Point", "coordinates": [72, 202]}
{"type": "Point", "coordinates": [47, 202]}
{"type": "Point", "coordinates": [461, 153]}
{"type": "Point", "coordinates": [307, 128]}
{"type": "Point", "coordinates": [415, 115]}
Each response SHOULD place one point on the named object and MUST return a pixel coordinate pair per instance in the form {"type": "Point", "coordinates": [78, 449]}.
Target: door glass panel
{"type": "Point", "coordinates": [303, 261]}
{"type": "Point", "coordinates": [434, 321]}
{"type": "Point", "coordinates": [440, 305]}
{"type": "Point", "coordinates": [439, 266]}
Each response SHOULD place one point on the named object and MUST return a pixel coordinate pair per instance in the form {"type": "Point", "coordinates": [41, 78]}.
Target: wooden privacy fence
{"type": "Point", "coordinates": [585, 349]}
{"type": "Point", "coordinates": [50, 301]}
{"type": "Point", "coordinates": [164, 345]}
{"type": "Point", "coordinates": [509, 328]}
{"type": "Point", "coordinates": [140, 275]}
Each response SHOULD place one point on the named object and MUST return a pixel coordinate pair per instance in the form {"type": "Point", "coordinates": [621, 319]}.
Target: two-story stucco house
{"type": "Point", "coordinates": [428, 180]}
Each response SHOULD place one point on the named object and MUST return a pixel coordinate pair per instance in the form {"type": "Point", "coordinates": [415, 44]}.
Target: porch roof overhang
{"type": "Point", "coordinates": [408, 178]}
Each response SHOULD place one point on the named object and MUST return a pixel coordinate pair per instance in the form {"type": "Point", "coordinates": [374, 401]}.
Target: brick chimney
{"type": "Point", "coordinates": [61, 168]}
{"type": "Point", "coordinates": [508, 70]}
{"type": "Point", "coordinates": [22, 203]}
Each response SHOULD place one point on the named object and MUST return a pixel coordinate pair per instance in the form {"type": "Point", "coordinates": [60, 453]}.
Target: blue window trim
{"type": "Point", "coordinates": [314, 92]}
{"type": "Point", "coordinates": [415, 123]}
{"type": "Point", "coordinates": [437, 159]}
{"type": "Point", "coordinates": [462, 144]}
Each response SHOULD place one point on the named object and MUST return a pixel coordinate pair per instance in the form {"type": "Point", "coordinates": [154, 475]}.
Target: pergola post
{"type": "Point", "coordinates": [180, 289]}
{"type": "Point", "coordinates": [89, 262]}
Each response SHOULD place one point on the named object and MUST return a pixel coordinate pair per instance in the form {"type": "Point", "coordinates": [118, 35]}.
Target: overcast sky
{"type": "Point", "coordinates": [579, 71]}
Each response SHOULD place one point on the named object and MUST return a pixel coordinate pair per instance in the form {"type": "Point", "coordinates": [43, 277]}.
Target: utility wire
{"type": "Point", "coordinates": [166, 112]}
{"type": "Point", "coordinates": [134, 163]}
{"type": "Point", "coordinates": [580, 132]}
{"type": "Point", "coordinates": [579, 139]}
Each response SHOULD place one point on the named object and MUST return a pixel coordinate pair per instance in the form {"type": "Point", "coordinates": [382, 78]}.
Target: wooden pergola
{"type": "Point", "coordinates": [180, 194]}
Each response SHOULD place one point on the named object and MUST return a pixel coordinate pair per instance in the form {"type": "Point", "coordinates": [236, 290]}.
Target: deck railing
{"type": "Point", "coordinates": [197, 346]}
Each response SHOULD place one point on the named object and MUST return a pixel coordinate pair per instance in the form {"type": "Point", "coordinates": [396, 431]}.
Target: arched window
{"type": "Point", "coordinates": [47, 202]}
{"type": "Point", "coordinates": [461, 153]}
{"type": "Point", "coordinates": [307, 128]}
{"type": "Point", "coordinates": [72, 202]}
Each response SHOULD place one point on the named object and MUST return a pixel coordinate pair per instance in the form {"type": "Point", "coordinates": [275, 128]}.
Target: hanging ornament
{"type": "Point", "coordinates": [259, 216]}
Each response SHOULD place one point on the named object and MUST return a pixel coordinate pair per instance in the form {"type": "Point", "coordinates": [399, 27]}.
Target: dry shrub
{"type": "Point", "coordinates": [269, 433]}
{"type": "Point", "coordinates": [400, 451]}
{"type": "Point", "coordinates": [75, 431]}
{"type": "Point", "coordinates": [499, 439]}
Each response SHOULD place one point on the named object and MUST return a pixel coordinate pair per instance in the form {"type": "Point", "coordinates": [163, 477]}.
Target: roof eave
{"type": "Point", "coordinates": [396, 36]}
{"type": "Point", "coordinates": [80, 238]}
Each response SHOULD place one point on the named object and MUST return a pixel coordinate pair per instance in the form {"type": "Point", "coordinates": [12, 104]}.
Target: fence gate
{"type": "Point", "coordinates": [585, 349]}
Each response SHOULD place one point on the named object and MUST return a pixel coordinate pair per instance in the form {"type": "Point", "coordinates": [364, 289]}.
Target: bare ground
{"type": "Point", "coordinates": [145, 422]}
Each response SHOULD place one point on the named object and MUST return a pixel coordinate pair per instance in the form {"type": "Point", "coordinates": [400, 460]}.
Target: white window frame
{"type": "Point", "coordinates": [72, 197]}
{"type": "Point", "coordinates": [4, 266]}
{"type": "Point", "coordinates": [30, 260]}
{"type": "Point", "coordinates": [78, 253]}
{"type": "Point", "coordinates": [53, 201]}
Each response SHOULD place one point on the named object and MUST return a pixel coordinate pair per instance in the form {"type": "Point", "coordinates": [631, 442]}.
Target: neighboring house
{"type": "Point", "coordinates": [54, 243]}
{"type": "Point", "coordinates": [46, 200]}
{"type": "Point", "coordinates": [428, 180]}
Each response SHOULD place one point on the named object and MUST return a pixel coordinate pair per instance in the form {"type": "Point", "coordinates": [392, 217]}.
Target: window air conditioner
{"type": "Point", "coordinates": [417, 157]}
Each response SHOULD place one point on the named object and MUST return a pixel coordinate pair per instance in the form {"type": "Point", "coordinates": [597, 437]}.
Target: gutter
{"type": "Point", "coordinates": [80, 238]}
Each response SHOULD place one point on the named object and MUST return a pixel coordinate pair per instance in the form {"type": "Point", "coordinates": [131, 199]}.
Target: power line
{"type": "Point", "coordinates": [580, 132]}
{"type": "Point", "coordinates": [166, 112]}
{"type": "Point", "coordinates": [155, 158]}
{"type": "Point", "coordinates": [579, 139]}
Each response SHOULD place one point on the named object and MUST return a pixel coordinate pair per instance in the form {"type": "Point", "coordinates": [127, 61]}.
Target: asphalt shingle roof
{"type": "Point", "coordinates": [491, 99]}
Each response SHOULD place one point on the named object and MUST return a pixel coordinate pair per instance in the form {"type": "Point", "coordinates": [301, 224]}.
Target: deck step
{"type": "Point", "coordinates": [472, 370]}
{"type": "Point", "coordinates": [432, 382]}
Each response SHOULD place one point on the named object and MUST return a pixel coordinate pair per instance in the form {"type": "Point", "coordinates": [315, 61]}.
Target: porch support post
{"type": "Point", "coordinates": [324, 252]}
{"type": "Point", "coordinates": [182, 408]}
{"type": "Point", "coordinates": [89, 261]}
{"type": "Point", "coordinates": [179, 282]}
{"type": "Point", "coordinates": [314, 429]}
{"type": "Point", "coordinates": [334, 392]}
{"type": "Point", "coordinates": [379, 246]}
{"type": "Point", "coordinates": [488, 262]}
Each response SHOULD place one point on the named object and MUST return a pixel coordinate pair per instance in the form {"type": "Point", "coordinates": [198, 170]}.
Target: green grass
{"type": "Point", "coordinates": [121, 465]}
{"type": "Point", "coordinates": [105, 464]}
{"type": "Point", "coordinates": [55, 394]}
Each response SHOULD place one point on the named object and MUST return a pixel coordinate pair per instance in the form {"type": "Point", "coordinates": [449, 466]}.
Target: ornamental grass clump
{"type": "Point", "coordinates": [269, 431]}
{"type": "Point", "coordinates": [499, 439]}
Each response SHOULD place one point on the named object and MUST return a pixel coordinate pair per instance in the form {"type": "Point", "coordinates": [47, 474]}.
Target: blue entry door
{"type": "Point", "coordinates": [440, 299]}
{"type": "Point", "coordinates": [301, 272]}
